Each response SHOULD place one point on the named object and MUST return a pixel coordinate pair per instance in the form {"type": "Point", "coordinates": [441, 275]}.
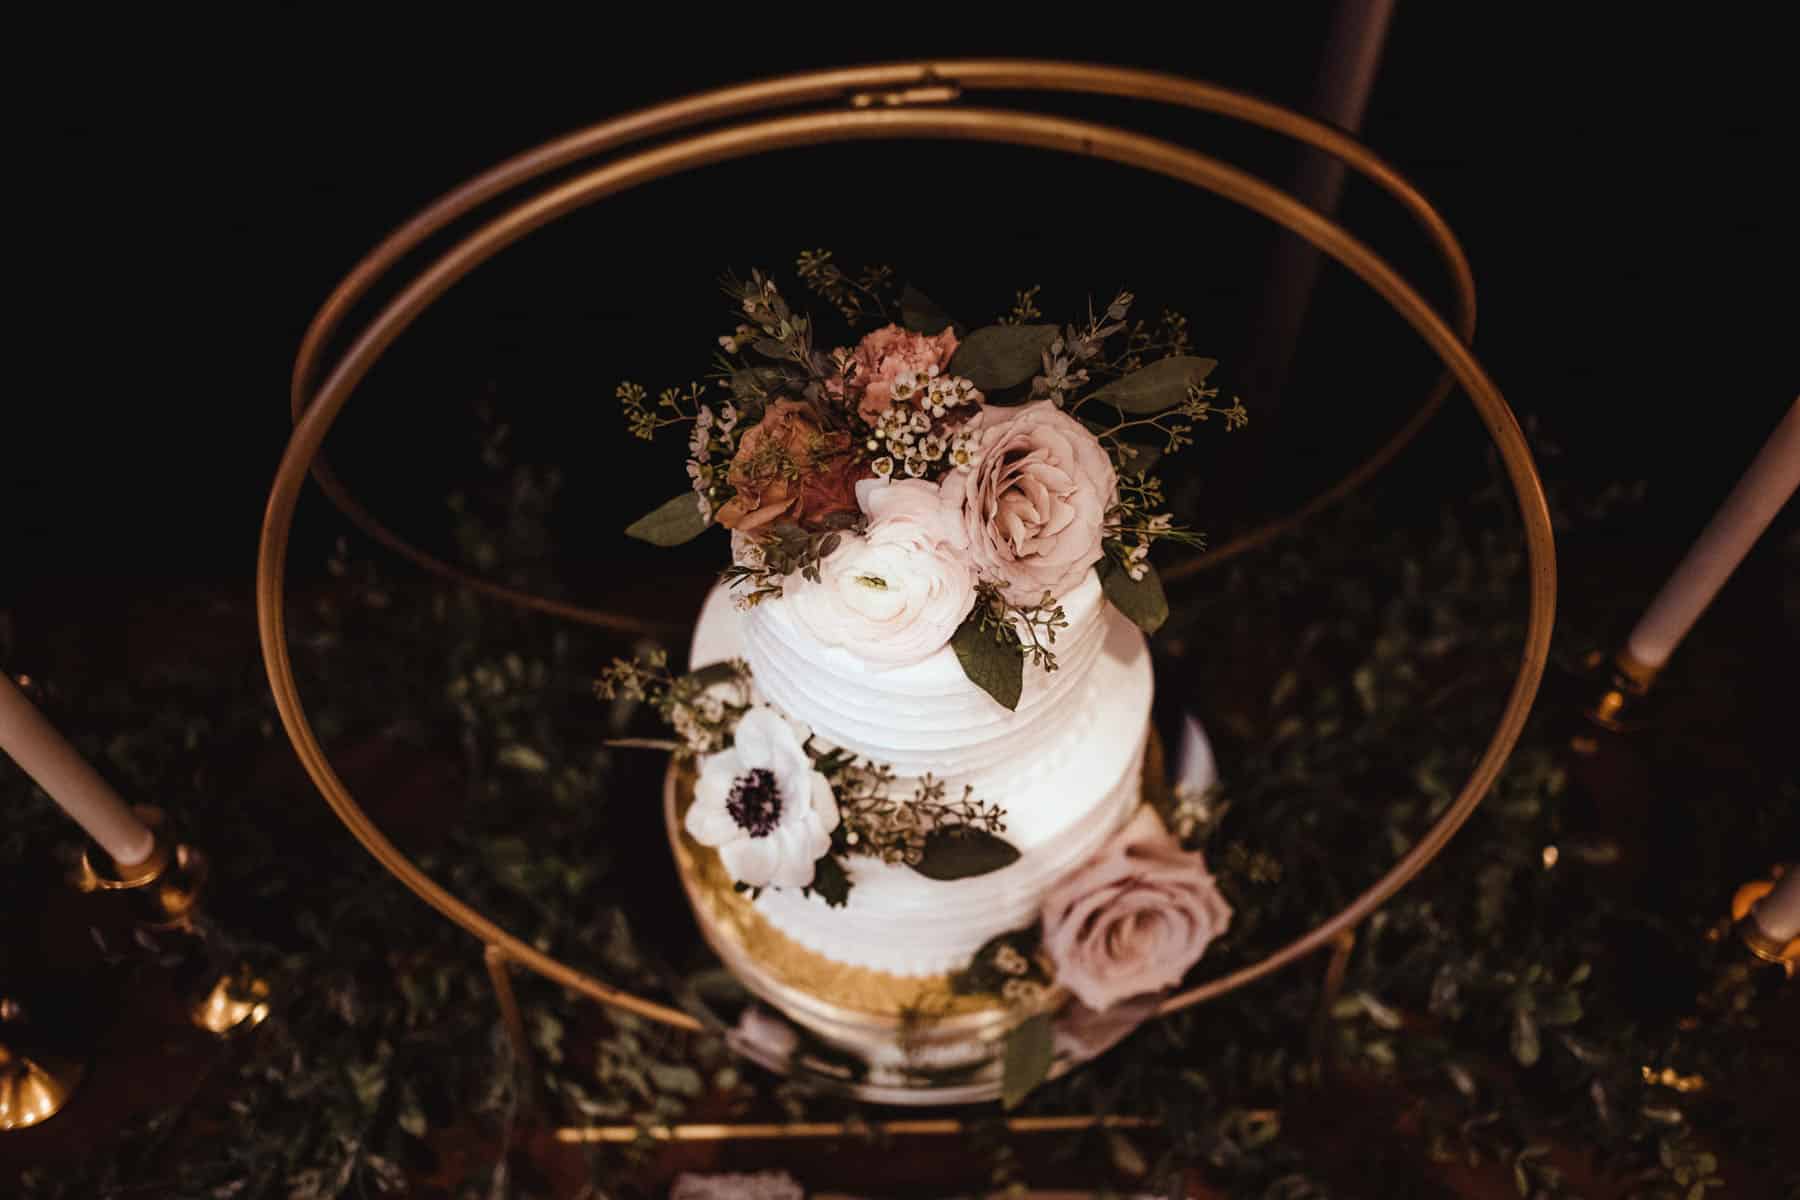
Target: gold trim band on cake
{"type": "Point", "coordinates": [993, 126]}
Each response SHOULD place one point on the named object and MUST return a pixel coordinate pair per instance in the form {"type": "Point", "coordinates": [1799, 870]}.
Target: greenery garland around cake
{"type": "Point", "coordinates": [930, 485]}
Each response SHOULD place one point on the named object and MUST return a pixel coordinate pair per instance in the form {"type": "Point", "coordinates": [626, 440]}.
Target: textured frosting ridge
{"type": "Point", "coordinates": [1065, 766]}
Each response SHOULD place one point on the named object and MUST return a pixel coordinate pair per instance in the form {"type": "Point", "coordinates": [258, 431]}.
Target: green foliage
{"type": "Point", "coordinates": [962, 852]}
{"type": "Point", "coordinates": [998, 357]}
{"type": "Point", "coordinates": [992, 664]}
{"type": "Point", "coordinates": [670, 524]}
{"type": "Point", "coordinates": [1140, 599]}
{"type": "Point", "coordinates": [1030, 1049]}
{"type": "Point", "coordinates": [1160, 386]}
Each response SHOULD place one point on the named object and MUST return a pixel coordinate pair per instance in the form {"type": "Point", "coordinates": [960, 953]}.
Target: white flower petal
{"type": "Point", "coordinates": [824, 803]}
{"type": "Point", "coordinates": [751, 860]}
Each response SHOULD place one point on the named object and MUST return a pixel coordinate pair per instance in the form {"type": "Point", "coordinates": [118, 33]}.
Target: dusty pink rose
{"type": "Point", "coordinates": [1134, 918]}
{"type": "Point", "coordinates": [1034, 498]}
{"type": "Point", "coordinates": [884, 355]}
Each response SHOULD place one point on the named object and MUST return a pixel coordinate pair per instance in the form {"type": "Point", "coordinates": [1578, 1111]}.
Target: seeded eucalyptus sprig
{"type": "Point", "coordinates": [784, 550]}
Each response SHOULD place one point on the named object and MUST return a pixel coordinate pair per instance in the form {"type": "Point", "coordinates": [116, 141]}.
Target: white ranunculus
{"type": "Point", "coordinates": [762, 806]}
{"type": "Point", "coordinates": [895, 594]}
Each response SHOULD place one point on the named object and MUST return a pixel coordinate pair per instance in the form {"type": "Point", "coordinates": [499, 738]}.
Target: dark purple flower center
{"type": "Point", "coordinates": [755, 802]}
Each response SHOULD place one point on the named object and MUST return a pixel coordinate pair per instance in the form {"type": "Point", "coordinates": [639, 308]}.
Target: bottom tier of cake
{"type": "Point", "coordinates": [882, 1037]}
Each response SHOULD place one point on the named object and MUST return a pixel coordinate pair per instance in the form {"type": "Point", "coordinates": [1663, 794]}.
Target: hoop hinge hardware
{"type": "Point", "coordinates": [931, 93]}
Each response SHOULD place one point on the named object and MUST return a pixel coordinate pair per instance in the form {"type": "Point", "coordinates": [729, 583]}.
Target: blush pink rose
{"type": "Point", "coordinates": [1134, 918]}
{"type": "Point", "coordinates": [1034, 498]}
{"type": "Point", "coordinates": [883, 356]}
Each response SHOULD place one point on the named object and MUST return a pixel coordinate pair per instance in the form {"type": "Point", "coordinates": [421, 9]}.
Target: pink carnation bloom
{"type": "Point", "coordinates": [884, 356]}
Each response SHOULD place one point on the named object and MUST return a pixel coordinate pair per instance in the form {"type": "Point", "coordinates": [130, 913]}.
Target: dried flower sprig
{"type": "Point", "coordinates": [866, 298]}
{"type": "Point", "coordinates": [1067, 359]}
{"type": "Point", "coordinates": [785, 549]}
{"type": "Point", "coordinates": [1133, 524]}
{"type": "Point", "coordinates": [702, 707]}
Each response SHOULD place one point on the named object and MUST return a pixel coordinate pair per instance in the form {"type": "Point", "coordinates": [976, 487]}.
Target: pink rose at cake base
{"type": "Point", "coordinates": [918, 706]}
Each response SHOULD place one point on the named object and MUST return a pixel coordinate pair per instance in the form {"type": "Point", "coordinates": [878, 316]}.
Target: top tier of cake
{"type": "Point", "coordinates": [926, 716]}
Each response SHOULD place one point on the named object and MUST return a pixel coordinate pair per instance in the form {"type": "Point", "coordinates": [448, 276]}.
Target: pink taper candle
{"type": "Point", "coordinates": [48, 758]}
{"type": "Point", "coordinates": [1753, 503]}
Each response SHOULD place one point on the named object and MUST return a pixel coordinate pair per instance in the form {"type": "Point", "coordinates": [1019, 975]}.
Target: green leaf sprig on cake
{"type": "Point", "coordinates": [882, 487]}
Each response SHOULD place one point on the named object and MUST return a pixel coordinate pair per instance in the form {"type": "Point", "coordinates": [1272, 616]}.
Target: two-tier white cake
{"type": "Point", "coordinates": [908, 799]}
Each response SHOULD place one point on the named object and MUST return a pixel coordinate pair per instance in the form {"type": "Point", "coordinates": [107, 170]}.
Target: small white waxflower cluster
{"type": "Point", "coordinates": [1137, 558]}
{"type": "Point", "coordinates": [712, 432]}
{"type": "Point", "coordinates": [736, 340]}
{"type": "Point", "coordinates": [906, 436]}
{"type": "Point", "coordinates": [699, 724]}
{"type": "Point", "coordinates": [1008, 960]}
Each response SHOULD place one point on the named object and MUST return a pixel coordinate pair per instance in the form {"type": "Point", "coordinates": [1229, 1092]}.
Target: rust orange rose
{"type": "Point", "coordinates": [786, 466]}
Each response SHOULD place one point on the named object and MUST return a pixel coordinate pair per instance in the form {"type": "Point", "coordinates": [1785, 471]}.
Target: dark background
{"type": "Point", "coordinates": [1619, 187]}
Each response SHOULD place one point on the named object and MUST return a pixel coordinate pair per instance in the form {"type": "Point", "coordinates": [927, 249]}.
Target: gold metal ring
{"type": "Point", "coordinates": [876, 123]}
{"type": "Point", "coordinates": [906, 83]}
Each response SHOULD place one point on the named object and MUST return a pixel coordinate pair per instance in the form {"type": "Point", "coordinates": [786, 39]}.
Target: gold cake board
{"type": "Point", "coordinates": [856, 1031]}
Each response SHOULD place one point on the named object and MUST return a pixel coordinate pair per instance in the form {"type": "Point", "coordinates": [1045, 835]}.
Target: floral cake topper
{"type": "Point", "coordinates": [928, 487]}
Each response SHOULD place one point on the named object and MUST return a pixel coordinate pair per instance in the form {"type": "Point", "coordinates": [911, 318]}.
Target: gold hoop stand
{"type": "Point", "coordinates": [907, 100]}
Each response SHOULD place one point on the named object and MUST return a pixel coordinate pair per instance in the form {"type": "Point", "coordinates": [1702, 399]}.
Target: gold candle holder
{"type": "Point", "coordinates": [1750, 932]}
{"type": "Point", "coordinates": [164, 894]}
{"type": "Point", "coordinates": [35, 1083]}
{"type": "Point", "coordinates": [1624, 682]}
{"type": "Point", "coordinates": [163, 890]}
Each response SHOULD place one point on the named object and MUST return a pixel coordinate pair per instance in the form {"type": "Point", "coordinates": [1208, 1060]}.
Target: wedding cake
{"type": "Point", "coordinates": [910, 795]}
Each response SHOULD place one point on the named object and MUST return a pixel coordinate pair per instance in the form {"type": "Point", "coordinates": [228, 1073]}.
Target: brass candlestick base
{"type": "Point", "coordinates": [164, 892]}
{"type": "Point", "coordinates": [1785, 955]}
{"type": "Point", "coordinates": [33, 1087]}
{"type": "Point", "coordinates": [1623, 684]}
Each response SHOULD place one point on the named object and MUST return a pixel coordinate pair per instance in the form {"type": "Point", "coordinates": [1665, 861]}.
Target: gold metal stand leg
{"type": "Point", "coordinates": [33, 1088]}
{"type": "Point", "coordinates": [808, 1130]}
{"type": "Point", "coordinates": [1335, 968]}
{"type": "Point", "coordinates": [500, 973]}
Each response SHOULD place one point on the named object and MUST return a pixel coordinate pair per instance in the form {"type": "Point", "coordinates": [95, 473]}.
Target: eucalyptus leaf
{"type": "Point", "coordinates": [671, 524]}
{"type": "Point", "coordinates": [1030, 1049]}
{"type": "Point", "coordinates": [1161, 385]}
{"type": "Point", "coordinates": [919, 313]}
{"type": "Point", "coordinates": [1526, 1045]}
{"type": "Point", "coordinates": [724, 671]}
{"type": "Point", "coordinates": [998, 357]}
{"type": "Point", "coordinates": [959, 852]}
{"type": "Point", "coordinates": [1140, 599]}
{"type": "Point", "coordinates": [830, 882]}
{"type": "Point", "coordinates": [995, 667]}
